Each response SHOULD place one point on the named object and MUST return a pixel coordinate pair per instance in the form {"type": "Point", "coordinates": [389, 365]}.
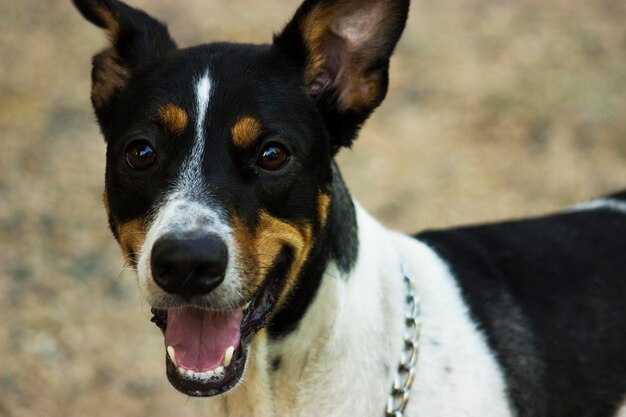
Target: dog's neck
{"type": "Point", "coordinates": [344, 340]}
{"type": "Point", "coordinates": [336, 246]}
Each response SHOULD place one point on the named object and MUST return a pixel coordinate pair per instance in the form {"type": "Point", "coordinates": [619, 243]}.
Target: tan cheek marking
{"type": "Point", "coordinates": [259, 248]}
{"type": "Point", "coordinates": [245, 132]}
{"type": "Point", "coordinates": [323, 203]}
{"type": "Point", "coordinates": [131, 236]}
{"type": "Point", "coordinates": [272, 234]}
{"type": "Point", "coordinates": [173, 118]}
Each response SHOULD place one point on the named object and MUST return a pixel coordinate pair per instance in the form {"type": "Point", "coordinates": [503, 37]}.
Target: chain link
{"type": "Point", "coordinates": [401, 388]}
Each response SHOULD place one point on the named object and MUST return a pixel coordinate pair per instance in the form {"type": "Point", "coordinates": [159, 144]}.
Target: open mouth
{"type": "Point", "coordinates": [207, 349]}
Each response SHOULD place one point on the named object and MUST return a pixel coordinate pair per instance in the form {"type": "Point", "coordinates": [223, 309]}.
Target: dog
{"type": "Point", "coordinates": [278, 295]}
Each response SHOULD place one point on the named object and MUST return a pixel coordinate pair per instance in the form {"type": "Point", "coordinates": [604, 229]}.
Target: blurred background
{"type": "Point", "coordinates": [497, 109]}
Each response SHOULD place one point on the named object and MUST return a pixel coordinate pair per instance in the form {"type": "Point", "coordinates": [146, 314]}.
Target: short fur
{"type": "Point", "coordinates": [522, 318]}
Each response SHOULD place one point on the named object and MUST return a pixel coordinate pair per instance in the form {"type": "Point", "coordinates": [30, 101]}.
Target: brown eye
{"type": "Point", "coordinates": [140, 155]}
{"type": "Point", "coordinates": [273, 157]}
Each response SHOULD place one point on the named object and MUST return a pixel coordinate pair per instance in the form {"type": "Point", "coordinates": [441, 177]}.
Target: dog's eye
{"type": "Point", "coordinates": [273, 157]}
{"type": "Point", "coordinates": [140, 155]}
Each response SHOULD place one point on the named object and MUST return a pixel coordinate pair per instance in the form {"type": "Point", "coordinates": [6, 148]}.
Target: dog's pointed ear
{"type": "Point", "coordinates": [136, 40]}
{"type": "Point", "coordinates": [343, 47]}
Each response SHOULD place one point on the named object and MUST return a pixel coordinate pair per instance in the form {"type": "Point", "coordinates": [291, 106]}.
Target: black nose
{"type": "Point", "coordinates": [189, 266]}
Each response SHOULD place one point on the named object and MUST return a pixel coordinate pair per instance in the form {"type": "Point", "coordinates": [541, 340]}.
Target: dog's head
{"type": "Point", "coordinates": [219, 177]}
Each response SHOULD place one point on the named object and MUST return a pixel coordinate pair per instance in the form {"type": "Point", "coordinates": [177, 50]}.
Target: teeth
{"type": "Point", "coordinates": [172, 354]}
{"type": "Point", "coordinates": [215, 374]}
{"type": "Point", "coordinates": [228, 356]}
{"type": "Point", "coordinates": [247, 306]}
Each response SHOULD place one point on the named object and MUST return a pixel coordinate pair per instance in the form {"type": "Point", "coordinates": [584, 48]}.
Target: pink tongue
{"type": "Point", "coordinates": [200, 338]}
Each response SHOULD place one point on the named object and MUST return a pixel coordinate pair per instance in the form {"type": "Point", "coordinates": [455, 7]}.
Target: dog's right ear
{"type": "Point", "coordinates": [343, 48]}
{"type": "Point", "coordinates": [136, 40]}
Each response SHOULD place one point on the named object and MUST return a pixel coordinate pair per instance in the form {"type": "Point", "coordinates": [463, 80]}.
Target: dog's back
{"type": "Point", "coordinates": [550, 296]}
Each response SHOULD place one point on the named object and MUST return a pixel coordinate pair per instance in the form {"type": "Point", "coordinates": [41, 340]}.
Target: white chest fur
{"type": "Point", "coordinates": [341, 359]}
{"type": "Point", "coordinates": [457, 374]}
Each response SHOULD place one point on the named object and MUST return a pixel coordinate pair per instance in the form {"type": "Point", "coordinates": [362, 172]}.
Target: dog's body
{"type": "Point", "coordinates": [547, 295]}
{"type": "Point", "coordinates": [341, 358]}
{"type": "Point", "coordinates": [277, 294]}
{"type": "Point", "coordinates": [516, 322]}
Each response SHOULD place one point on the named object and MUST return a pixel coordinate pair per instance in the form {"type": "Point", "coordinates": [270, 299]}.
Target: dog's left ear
{"type": "Point", "coordinates": [343, 48]}
{"type": "Point", "coordinates": [137, 39]}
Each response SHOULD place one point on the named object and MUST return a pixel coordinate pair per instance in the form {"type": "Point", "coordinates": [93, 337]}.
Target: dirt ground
{"type": "Point", "coordinates": [497, 109]}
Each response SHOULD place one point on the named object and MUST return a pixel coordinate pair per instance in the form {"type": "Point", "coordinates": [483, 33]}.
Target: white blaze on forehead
{"type": "Point", "coordinates": [203, 93]}
{"type": "Point", "coordinates": [191, 173]}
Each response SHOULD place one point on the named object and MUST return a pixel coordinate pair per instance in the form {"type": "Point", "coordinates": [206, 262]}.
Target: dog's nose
{"type": "Point", "coordinates": [189, 266]}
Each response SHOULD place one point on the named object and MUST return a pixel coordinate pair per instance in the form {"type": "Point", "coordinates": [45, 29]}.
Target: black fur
{"type": "Point", "coordinates": [550, 295]}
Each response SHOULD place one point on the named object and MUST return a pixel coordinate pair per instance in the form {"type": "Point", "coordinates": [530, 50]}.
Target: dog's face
{"type": "Point", "coordinates": [219, 174]}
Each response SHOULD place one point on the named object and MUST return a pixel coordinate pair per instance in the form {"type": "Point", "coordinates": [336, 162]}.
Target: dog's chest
{"type": "Point", "coordinates": [331, 360]}
{"type": "Point", "coordinates": [343, 357]}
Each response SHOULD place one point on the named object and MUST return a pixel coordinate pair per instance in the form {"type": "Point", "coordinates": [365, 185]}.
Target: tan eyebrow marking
{"type": "Point", "coordinates": [173, 118]}
{"type": "Point", "coordinates": [245, 131]}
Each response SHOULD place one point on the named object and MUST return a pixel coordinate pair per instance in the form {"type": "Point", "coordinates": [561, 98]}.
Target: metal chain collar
{"type": "Point", "coordinates": [401, 388]}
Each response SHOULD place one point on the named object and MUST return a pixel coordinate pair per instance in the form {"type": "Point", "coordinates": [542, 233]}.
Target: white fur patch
{"type": "Point", "coordinates": [457, 373]}
{"type": "Point", "coordinates": [190, 180]}
{"type": "Point", "coordinates": [342, 357]}
{"type": "Point", "coordinates": [601, 204]}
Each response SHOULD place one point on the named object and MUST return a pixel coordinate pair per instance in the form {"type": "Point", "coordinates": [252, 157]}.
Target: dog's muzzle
{"type": "Point", "coordinates": [206, 348]}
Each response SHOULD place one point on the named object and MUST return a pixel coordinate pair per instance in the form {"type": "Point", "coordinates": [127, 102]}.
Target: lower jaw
{"type": "Point", "coordinates": [207, 388]}
{"type": "Point", "coordinates": [205, 384]}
